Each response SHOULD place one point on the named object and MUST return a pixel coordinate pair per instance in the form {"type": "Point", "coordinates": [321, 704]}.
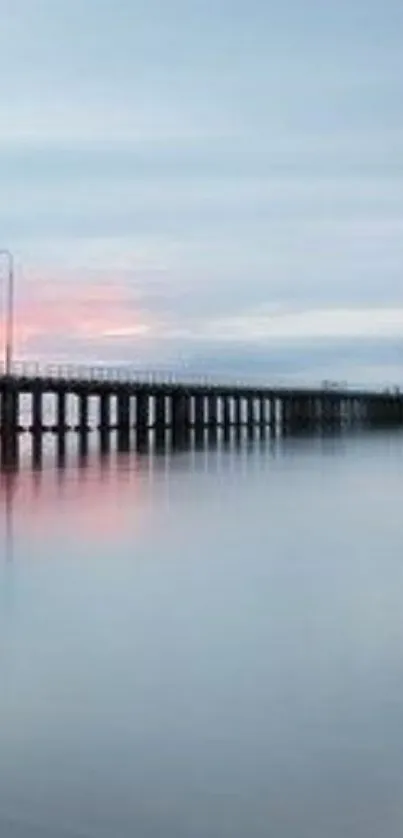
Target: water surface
{"type": "Point", "coordinates": [204, 644]}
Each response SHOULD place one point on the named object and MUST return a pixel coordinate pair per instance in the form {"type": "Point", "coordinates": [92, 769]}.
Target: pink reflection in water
{"type": "Point", "coordinates": [100, 494]}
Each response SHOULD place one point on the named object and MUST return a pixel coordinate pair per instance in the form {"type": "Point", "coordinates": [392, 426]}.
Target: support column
{"type": "Point", "coordinates": [323, 410]}
{"type": "Point", "coordinates": [37, 427]}
{"type": "Point", "coordinates": [123, 411]}
{"type": "Point", "coordinates": [396, 411]}
{"type": "Point", "coordinates": [327, 412]}
{"type": "Point", "coordinates": [335, 412]}
{"type": "Point", "coordinates": [9, 426]}
{"type": "Point", "coordinates": [212, 416]}
{"type": "Point", "coordinates": [303, 417]}
{"type": "Point", "coordinates": [180, 418]}
{"type": "Point", "coordinates": [37, 411]}
{"type": "Point", "coordinates": [347, 412]}
{"type": "Point", "coordinates": [226, 417]}
{"type": "Point", "coordinates": [9, 410]}
{"type": "Point", "coordinates": [142, 418]}
{"type": "Point", "coordinates": [251, 416]}
{"type": "Point", "coordinates": [389, 412]}
{"type": "Point", "coordinates": [105, 422]}
{"type": "Point", "coordinates": [356, 412]}
{"type": "Point", "coordinates": [262, 416]}
{"type": "Point", "coordinates": [304, 414]}
{"type": "Point", "coordinates": [392, 413]}
{"type": "Point", "coordinates": [273, 417]}
{"type": "Point", "coordinates": [291, 415]}
{"type": "Point", "coordinates": [285, 412]}
{"type": "Point", "coordinates": [313, 413]}
{"type": "Point", "coordinates": [343, 412]}
{"type": "Point", "coordinates": [83, 425]}
{"type": "Point", "coordinates": [160, 419]}
{"type": "Point", "coordinates": [61, 425]}
{"type": "Point", "coordinates": [238, 412]}
{"type": "Point", "coordinates": [104, 412]}
{"type": "Point", "coordinates": [123, 420]}
{"type": "Point", "coordinates": [199, 419]}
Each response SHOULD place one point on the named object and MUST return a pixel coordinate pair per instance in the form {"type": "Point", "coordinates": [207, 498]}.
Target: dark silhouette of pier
{"type": "Point", "coordinates": [175, 411]}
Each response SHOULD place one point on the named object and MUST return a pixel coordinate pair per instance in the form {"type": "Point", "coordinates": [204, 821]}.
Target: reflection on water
{"type": "Point", "coordinates": [89, 476]}
{"type": "Point", "coordinates": [202, 643]}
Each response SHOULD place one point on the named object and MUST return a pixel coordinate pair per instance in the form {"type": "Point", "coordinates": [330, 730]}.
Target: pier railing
{"type": "Point", "coordinates": [133, 375]}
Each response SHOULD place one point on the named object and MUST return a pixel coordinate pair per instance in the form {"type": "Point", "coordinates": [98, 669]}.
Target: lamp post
{"type": "Point", "coordinates": [9, 330]}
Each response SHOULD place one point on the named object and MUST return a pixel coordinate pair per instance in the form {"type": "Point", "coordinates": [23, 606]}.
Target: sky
{"type": "Point", "coordinates": [215, 184]}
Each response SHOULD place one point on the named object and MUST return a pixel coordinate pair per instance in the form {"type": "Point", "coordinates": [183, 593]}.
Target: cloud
{"type": "Point", "coordinates": [230, 172]}
{"type": "Point", "coordinates": [333, 324]}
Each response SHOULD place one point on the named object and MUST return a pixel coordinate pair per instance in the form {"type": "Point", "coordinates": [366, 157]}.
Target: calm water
{"type": "Point", "coordinates": [209, 644]}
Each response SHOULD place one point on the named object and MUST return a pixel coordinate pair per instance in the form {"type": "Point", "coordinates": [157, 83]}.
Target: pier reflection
{"type": "Point", "coordinates": [100, 478]}
{"type": "Point", "coordinates": [102, 481]}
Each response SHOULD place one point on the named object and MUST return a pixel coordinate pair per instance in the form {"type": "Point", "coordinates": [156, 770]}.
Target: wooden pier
{"type": "Point", "coordinates": [172, 410]}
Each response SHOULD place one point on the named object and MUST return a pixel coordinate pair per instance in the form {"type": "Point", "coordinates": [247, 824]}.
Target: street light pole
{"type": "Point", "coordinates": [9, 329]}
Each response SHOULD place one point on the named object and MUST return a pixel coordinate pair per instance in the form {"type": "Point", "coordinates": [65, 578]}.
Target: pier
{"type": "Point", "coordinates": [175, 410]}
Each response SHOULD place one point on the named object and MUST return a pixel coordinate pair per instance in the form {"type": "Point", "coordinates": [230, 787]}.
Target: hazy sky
{"type": "Point", "coordinates": [217, 180]}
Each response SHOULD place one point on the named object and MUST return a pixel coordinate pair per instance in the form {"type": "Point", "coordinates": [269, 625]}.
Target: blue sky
{"type": "Point", "coordinates": [216, 182]}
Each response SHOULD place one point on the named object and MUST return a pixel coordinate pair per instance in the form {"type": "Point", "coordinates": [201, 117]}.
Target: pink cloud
{"type": "Point", "coordinates": [82, 309]}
